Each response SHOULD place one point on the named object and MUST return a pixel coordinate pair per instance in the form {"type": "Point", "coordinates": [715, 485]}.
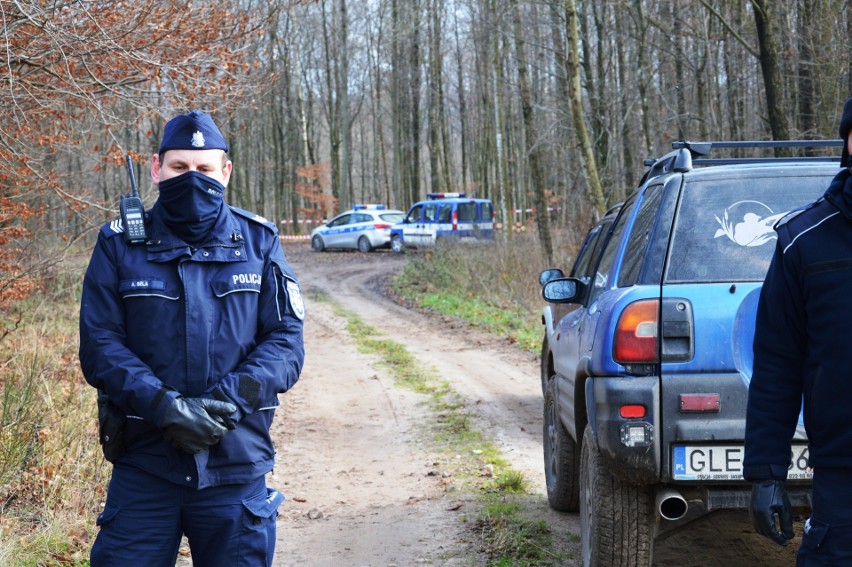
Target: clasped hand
{"type": "Point", "coordinates": [194, 424]}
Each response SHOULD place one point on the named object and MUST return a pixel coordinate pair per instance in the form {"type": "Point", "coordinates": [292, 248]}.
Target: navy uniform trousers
{"type": "Point", "coordinates": [145, 517]}
{"type": "Point", "coordinates": [827, 540]}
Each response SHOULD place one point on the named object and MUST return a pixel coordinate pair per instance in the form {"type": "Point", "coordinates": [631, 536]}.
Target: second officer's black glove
{"type": "Point", "coordinates": [770, 510]}
{"type": "Point", "coordinates": [194, 424]}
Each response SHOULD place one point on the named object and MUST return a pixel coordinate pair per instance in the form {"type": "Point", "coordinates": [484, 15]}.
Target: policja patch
{"type": "Point", "coordinates": [294, 296]}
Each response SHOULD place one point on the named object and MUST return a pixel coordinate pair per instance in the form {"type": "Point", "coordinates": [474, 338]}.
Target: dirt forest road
{"type": "Point", "coordinates": [362, 487]}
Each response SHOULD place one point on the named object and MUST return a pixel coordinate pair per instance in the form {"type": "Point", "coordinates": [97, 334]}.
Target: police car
{"type": "Point", "coordinates": [365, 227]}
{"type": "Point", "coordinates": [441, 217]}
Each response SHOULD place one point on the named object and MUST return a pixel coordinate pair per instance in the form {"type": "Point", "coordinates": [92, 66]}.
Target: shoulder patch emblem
{"type": "Point", "coordinates": [116, 226]}
{"type": "Point", "coordinates": [294, 296]}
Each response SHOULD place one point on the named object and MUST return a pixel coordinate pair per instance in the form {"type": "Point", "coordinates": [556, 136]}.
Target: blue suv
{"type": "Point", "coordinates": [647, 351]}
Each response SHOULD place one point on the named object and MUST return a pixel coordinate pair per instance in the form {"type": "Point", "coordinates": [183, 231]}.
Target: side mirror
{"type": "Point", "coordinates": [550, 274]}
{"type": "Point", "coordinates": [562, 290]}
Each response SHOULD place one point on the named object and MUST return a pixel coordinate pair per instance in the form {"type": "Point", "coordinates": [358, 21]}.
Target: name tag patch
{"type": "Point", "coordinates": [141, 284]}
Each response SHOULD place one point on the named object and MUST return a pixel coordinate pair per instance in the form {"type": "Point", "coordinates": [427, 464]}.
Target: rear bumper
{"type": "Point", "coordinates": [637, 449]}
{"type": "Point", "coordinates": [630, 447]}
{"type": "Point", "coordinates": [379, 238]}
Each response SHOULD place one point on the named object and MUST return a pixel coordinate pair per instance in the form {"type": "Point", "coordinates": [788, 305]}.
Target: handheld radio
{"type": "Point", "coordinates": [132, 212]}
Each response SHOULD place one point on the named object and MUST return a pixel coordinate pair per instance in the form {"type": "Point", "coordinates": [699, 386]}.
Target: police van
{"type": "Point", "coordinates": [444, 217]}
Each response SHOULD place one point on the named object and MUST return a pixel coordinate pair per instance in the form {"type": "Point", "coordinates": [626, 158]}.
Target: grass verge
{"type": "Point", "coordinates": [493, 286]}
{"type": "Point", "coordinates": [506, 536]}
{"type": "Point", "coordinates": [52, 472]}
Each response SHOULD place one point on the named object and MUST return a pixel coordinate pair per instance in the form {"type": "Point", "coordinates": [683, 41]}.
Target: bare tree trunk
{"type": "Point", "coordinates": [530, 134]}
{"type": "Point", "coordinates": [405, 96]}
{"type": "Point", "coordinates": [597, 91]}
{"type": "Point", "coordinates": [434, 134]}
{"type": "Point", "coordinates": [628, 166]}
{"type": "Point", "coordinates": [778, 124]}
{"type": "Point", "coordinates": [807, 91]}
{"type": "Point", "coordinates": [701, 102]}
{"type": "Point", "coordinates": [557, 31]}
{"type": "Point", "coordinates": [398, 101]}
{"type": "Point", "coordinates": [462, 98]}
{"type": "Point", "coordinates": [641, 28]}
{"type": "Point", "coordinates": [414, 61]}
{"type": "Point", "coordinates": [332, 75]}
{"type": "Point", "coordinates": [572, 66]}
{"type": "Point", "coordinates": [497, 81]}
{"type": "Point", "coordinates": [343, 106]}
{"type": "Point", "coordinates": [680, 100]}
{"type": "Point", "coordinates": [381, 176]}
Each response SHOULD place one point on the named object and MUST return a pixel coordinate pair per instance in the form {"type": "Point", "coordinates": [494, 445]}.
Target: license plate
{"type": "Point", "coordinates": [705, 462]}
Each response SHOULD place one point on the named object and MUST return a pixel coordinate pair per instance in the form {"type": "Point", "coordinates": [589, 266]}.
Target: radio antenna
{"type": "Point", "coordinates": [133, 189]}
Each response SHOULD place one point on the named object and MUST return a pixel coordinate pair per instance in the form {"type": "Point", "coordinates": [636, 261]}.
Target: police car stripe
{"type": "Point", "coordinates": [809, 229]}
{"type": "Point", "coordinates": [348, 229]}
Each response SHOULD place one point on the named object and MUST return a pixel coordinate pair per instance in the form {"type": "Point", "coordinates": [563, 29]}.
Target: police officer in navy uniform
{"type": "Point", "coordinates": [189, 337]}
{"type": "Point", "coordinates": [803, 351]}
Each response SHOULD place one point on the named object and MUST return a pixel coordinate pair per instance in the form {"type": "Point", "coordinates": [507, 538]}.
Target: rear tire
{"type": "Point", "coordinates": [364, 245]}
{"type": "Point", "coordinates": [561, 458]}
{"type": "Point", "coordinates": [615, 516]}
{"type": "Point", "coordinates": [317, 244]}
{"type": "Point", "coordinates": [396, 244]}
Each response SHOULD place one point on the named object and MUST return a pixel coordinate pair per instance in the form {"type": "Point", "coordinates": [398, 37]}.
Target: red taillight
{"type": "Point", "coordinates": [636, 333]}
{"type": "Point", "coordinates": [632, 411]}
{"type": "Point", "coordinates": [455, 220]}
{"type": "Point", "coordinates": [381, 225]}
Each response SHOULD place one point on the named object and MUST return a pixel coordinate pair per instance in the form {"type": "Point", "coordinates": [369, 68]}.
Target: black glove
{"type": "Point", "coordinates": [194, 424]}
{"type": "Point", "coordinates": [770, 509]}
{"type": "Point", "coordinates": [228, 421]}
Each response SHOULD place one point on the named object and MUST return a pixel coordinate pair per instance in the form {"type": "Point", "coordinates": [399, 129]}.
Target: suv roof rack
{"type": "Point", "coordinates": [688, 154]}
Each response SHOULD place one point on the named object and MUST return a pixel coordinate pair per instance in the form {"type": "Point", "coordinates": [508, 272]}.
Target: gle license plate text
{"type": "Point", "coordinates": [703, 462]}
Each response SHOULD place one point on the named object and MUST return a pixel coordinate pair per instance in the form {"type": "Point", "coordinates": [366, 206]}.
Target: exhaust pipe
{"type": "Point", "coordinates": [671, 505]}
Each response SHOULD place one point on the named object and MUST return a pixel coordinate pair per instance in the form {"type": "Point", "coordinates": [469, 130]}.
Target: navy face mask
{"type": "Point", "coordinates": [190, 204]}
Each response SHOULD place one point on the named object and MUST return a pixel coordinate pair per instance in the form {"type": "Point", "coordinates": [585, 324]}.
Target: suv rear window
{"type": "Point", "coordinates": [720, 236]}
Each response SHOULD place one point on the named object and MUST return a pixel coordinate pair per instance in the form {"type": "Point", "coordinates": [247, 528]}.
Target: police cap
{"type": "Point", "coordinates": [192, 131]}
